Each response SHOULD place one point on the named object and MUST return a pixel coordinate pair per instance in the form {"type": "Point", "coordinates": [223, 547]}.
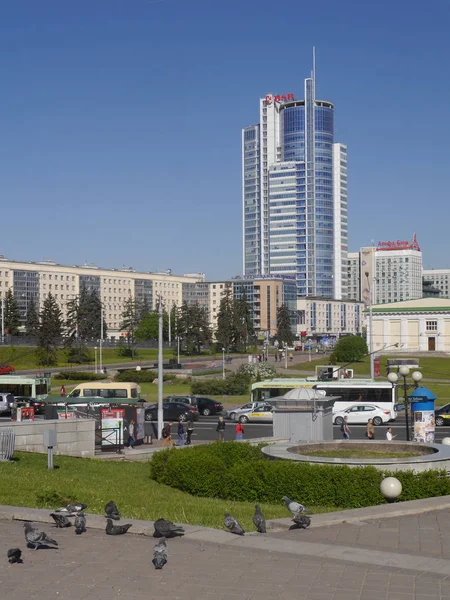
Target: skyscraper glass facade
{"type": "Point", "coordinates": [307, 216]}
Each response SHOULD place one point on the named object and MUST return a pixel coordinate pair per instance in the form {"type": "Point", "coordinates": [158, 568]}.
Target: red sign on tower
{"type": "Point", "coordinates": [283, 98]}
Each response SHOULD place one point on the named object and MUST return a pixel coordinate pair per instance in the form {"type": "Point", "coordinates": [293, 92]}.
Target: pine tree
{"type": "Point", "coordinates": [32, 320]}
{"type": "Point", "coordinates": [284, 330]}
{"type": "Point", "coordinates": [193, 327]}
{"type": "Point", "coordinates": [50, 332]}
{"type": "Point", "coordinates": [130, 323]}
{"type": "Point", "coordinates": [84, 315]}
{"type": "Point", "coordinates": [243, 319]}
{"type": "Point", "coordinates": [226, 321]}
{"type": "Point", "coordinates": [12, 314]}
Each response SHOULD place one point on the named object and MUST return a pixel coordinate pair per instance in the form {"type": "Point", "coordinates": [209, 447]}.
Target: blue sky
{"type": "Point", "coordinates": [120, 122]}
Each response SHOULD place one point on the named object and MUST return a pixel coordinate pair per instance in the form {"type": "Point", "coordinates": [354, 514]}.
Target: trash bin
{"type": "Point", "coordinates": [7, 437]}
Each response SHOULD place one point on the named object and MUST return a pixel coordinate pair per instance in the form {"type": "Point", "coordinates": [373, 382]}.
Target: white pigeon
{"type": "Point", "coordinates": [295, 507]}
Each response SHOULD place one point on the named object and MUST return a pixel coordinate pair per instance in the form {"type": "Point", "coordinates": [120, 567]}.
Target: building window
{"type": "Point", "coordinates": [431, 325]}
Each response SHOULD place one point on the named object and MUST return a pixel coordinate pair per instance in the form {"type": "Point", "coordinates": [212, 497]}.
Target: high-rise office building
{"type": "Point", "coordinates": [295, 195]}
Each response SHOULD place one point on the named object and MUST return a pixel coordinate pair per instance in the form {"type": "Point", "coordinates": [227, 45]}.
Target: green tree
{"type": "Point", "coordinates": [193, 327]}
{"type": "Point", "coordinates": [50, 332]}
{"type": "Point", "coordinates": [84, 315]}
{"type": "Point", "coordinates": [32, 320]}
{"type": "Point", "coordinates": [349, 349]}
{"type": "Point", "coordinates": [284, 329]}
{"type": "Point", "coordinates": [148, 327]}
{"type": "Point", "coordinates": [12, 314]}
{"type": "Point", "coordinates": [130, 324]}
{"type": "Point", "coordinates": [226, 323]}
{"type": "Point", "coordinates": [243, 323]}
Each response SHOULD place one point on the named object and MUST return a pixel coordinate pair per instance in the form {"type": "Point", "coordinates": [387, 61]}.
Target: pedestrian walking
{"type": "Point", "coordinates": [167, 435]}
{"type": "Point", "coordinates": [239, 432]}
{"type": "Point", "coordinates": [62, 392]}
{"type": "Point", "coordinates": [221, 429]}
{"type": "Point", "coordinates": [276, 356]}
{"type": "Point", "coordinates": [370, 430]}
{"type": "Point", "coordinates": [131, 439]}
{"type": "Point", "coordinates": [345, 429]}
{"type": "Point", "coordinates": [291, 357]}
{"type": "Point", "coordinates": [180, 433]}
{"type": "Point", "coordinates": [389, 435]}
{"type": "Point", "coordinates": [189, 431]}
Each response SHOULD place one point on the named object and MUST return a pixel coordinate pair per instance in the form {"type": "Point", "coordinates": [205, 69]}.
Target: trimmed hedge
{"type": "Point", "coordinates": [237, 471]}
{"type": "Point", "coordinates": [146, 376]}
{"type": "Point", "coordinates": [233, 385]}
{"type": "Point", "coordinates": [80, 376]}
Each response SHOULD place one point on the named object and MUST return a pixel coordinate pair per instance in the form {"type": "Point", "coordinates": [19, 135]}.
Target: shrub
{"type": "Point", "coordinates": [146, 376]}
{"type": "Point", "coordinates": [233, 385]}
{"type": "Point", "coordinates": [80, 376]}
{"type": "Point", "coordinates": [237, 471]}
{"type": "Point", "coordinates": [257, 371]}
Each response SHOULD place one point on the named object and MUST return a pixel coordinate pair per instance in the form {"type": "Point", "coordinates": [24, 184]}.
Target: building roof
{"type": "Point", "coordinates": [419, 305]}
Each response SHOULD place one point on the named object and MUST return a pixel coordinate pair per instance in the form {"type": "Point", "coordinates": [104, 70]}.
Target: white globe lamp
{"type": "Point", "coordinates": [404, 371]}
{"type": "Point", "coordinates": [446, 441]}
{"type": "Point", "coordinates": [393, 377]}
{"type": "Point", "coordinates": [391, 488]}
{"type": "Point", "coordinates": [417, 376]}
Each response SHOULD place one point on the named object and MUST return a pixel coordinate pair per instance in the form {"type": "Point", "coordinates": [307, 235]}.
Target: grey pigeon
{"type": "Point", "coordinates": [116, 529]}
{"type": "Point", "coordinates": [60, 520]}
{"type": "Point", "coordinates": [112, 512]}
{"type": "Point", "coordinates": [37, 538]}
{"type": "Point", "coordinates": [80, 524]}
{"type": "Point", "coordinates": [295, 507]}
{"type": "Point", "coordinates": [160, 553]}
{"type": "Point", "coordinates": [74, 508]}
{"type": "Point", "coordinates": [167, 529]}
{"type": "Point", "coordinates": [302, 522]}
{"type": "Point", "coordinates": [259, 520]}
{"type": "Point", "coordinates": [232, 525]}
{"type": "Point", "coordinates": [14, 555]}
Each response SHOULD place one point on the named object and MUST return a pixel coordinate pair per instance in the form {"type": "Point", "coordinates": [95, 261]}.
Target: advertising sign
{"type": "Point", "coordinates": [140, 424]}
{"type": "Point", "coordinates": [112, 426]}
{"type": "Point", "coordinates": [66, 413]}
{"type": "Point", "coordinates": [424, 426]}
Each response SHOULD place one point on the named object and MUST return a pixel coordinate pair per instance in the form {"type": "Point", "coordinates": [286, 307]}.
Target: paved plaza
{"type": "Point", "coordinates": [400, 558]}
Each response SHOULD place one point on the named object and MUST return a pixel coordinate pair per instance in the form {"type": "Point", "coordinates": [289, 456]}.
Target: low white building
{"type": "Point", "coordinates": [322, 317]}
{"type": "Point", "coordinates": [421, 325]}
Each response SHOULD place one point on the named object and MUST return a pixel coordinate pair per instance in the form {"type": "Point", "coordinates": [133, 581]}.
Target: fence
{"type": "Point", "coordinates": [7, 438]}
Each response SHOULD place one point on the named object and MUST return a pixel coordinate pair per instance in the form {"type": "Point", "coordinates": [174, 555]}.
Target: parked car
{"type": "Point", "coordinates": [361, 413]}
{"type": "Point", "coordinates": [208, 406]}
{"type": "Point", "coordinates": [184, 398]}
{"type": "Point", "coordinates": [262, 412]}
{"type": "Point", "coordinates": [5, 369]}
{"type": "Point", "coordinates": [442, 415]}
{"type": "Point", "coordinates": [6, 402]}
{"type": "Point", "coordinates": [172, 411]}
{"type": "Point", "coordinates": [234, 413]}
{"type": "Point", "coordinates": [38, 405]}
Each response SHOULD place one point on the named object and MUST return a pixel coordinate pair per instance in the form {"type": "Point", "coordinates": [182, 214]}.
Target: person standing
{"type": "Point", "coordinates": [131, 439]}
{"type": "Point", "coordinates": [345, 429]}
{"type": "Point", "coordinates": [239, 432]}
{"type": "Point", "coordinates": [370, 430]}
{"type": "Point", "coordinates": [221, 429]}
{"type": "Point", "coordinates": [189, 431]}
{"type": "Point", "coordinates": [167, 435]}
{"type": "Point", "coordinates": [180, 433]}
{"type": "Point", "coordinates": [389, 435]}
{"type": "Point", "coordinates": [276, 356]}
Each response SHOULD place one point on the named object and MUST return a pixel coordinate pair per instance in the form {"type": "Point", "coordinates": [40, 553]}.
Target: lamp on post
{"type": "Point", "coordinates": [223, 363]}
{"type": "Point", "coordinates": [417, 377]}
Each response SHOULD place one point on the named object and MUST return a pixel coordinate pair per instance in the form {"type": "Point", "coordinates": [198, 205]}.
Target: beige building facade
{"type": "Point", "coordinates": [421, 325]}
{"type": "Point", "coordinates": [319, 317]}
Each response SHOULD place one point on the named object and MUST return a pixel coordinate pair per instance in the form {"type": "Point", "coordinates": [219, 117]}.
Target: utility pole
{"type": "Point", "coordinates": [372, 357]}
{"type": "Point", "coordinates": [170, 328]}
{"type": "Point", "coordinates": [100, 360]}
{"type": "Point", "coordinates": [3, 320]}
{"type": "Point", "coordinates": [160, 370]}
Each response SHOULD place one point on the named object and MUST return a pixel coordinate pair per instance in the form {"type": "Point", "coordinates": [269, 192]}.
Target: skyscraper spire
{"type": "Point", "coordinates": [313, 74]}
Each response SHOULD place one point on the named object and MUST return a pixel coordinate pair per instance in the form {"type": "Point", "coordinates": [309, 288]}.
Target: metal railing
{"type": "Point", "coordinates": [7, 438]}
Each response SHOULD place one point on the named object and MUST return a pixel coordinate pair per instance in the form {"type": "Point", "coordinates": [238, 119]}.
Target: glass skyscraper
{"type": "Point", "coordinates": [295, 195]}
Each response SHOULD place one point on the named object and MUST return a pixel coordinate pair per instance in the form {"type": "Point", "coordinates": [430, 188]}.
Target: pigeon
{"type": "Point", "coordinates": [14, 555]}
{"type": "Point", "coordinates": [232, 525]}
{"type": "Point", "coordinates": [167, 529]}
{"type": "Point", "coordinates": [37, 538]}
{"type": "Point", "coordinates": [112, 511]}
{"type": "Point", "coordinates": [80, 523]}
{"type": "Point", "coordinates": [73, 508]}
{"type": "Point", "coordinates": [116, 529]}
{"type": "Point", "coordinates": [259, 520]}
{"type": "Point", "coordinates": [160, 553]}
{"type": "Point", "coordinates": [302, 522]}
{"type": "Point", "coordinates": [60, 520]}
{"type": "Point", "coordinates": [295, 507]}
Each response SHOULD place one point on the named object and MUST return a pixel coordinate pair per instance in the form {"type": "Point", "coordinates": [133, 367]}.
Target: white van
{"type": "Point", "coordinates": [110, 391]}
{"type": "Point", "coordinates": [6, 402]}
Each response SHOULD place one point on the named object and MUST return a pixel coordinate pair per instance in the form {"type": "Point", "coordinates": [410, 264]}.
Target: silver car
{"type": "Point", "coordinates": [234, 413]}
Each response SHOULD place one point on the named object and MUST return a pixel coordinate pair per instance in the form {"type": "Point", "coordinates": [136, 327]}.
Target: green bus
{"type": "Point", "coordinates": [33, 387]}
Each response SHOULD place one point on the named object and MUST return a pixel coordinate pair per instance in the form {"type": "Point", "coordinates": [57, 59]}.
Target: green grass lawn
{"type": "Point", "coordinates": [28, 482]}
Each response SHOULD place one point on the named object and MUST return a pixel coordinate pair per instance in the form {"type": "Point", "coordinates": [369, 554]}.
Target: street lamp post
{"type": "Point", "coordinates": [417, 377]}
{"type": "Point", "coordinates": [178, 344]}
{"type": "Point", "coordinates": [101, 342]}
{"type": "Point", "coordinates": [223, 363]}
{"type": "Point", "coordinates": [95, 355]}
{"type": "Point", "coordinates": [160, 370]}
{"type": "Point", "coordinates": [3, 320]}
{"type": "Point", "coordinates": [372, 357]}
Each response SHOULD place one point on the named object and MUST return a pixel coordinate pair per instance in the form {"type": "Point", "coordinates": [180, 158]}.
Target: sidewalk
{"type": "Point", "coordinates": [398, 558]}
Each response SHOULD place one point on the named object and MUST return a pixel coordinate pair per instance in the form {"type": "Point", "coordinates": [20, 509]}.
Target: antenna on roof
{"type": "Point", "coordinates": [313, 74]}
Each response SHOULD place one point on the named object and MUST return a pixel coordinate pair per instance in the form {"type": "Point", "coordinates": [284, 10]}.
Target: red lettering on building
{"type": "Point", "coordinates": [283, 98]}
{"type": "Point", "coordinates": [400, 245]}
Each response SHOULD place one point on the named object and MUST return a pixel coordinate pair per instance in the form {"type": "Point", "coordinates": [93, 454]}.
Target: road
{"type": "Point", "coordinates": [205, 430]}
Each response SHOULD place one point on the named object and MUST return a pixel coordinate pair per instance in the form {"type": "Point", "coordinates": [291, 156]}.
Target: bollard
{"type": "Point", "coordinates": [49, 441]}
